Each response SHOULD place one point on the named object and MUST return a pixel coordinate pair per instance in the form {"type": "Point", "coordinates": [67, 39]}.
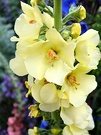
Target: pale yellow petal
{"type": "Point", "coordinates": [48, 20]}
{"type": "Point", "coordinates": [35, 90]}
{"type": "Point", "coordinates": [66, 119]}
{"type": "Point", "coordinates": [66, 131]}
{"type": "Point", "coordinates": [19, 23]}
{"type": "Point", "coordinates": [50, 107]}
{"type": "Point", "coordinates": [31, 132]}
{"type": "Point", "coordinates": [55, 38]}
{"type": "Point", "coordinates": [17, 66]}
{"type": "Point", "coordinates": [48, 93]}
{"type": "Point", "coordinates": [59, 70]}
{"type": "Point", "coordinates": [91, 36]}
{"type": "Point", "coordinates": [28, 10]}
{"type": "Point", "coordinates": [76, 97]}
{"type": "Point", "coordinates": [36, 66]}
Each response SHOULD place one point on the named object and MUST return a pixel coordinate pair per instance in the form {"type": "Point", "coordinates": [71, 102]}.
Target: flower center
{"type": "Point", "coordinates": [72, 81]}
{"type": "Point", "coordinates": [32, 21]}
{"type": "Point", "coordinates": [52, 55]}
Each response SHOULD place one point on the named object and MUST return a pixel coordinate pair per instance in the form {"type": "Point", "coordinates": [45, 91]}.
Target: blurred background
{"type": "Point", "coordinates": [14, 119]}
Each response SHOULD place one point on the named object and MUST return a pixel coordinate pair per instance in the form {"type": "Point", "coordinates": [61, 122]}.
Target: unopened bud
{"type": "Point", "coordinates": [82, 13]}
{"type": "Point", "coordinates": [55, 131]}
{"type": "Point", "coordinates": [76, 30]}
{"type": "Point", "coordinates": [33, 2]}
{"type": "Point", "coordinates": [65, 34]}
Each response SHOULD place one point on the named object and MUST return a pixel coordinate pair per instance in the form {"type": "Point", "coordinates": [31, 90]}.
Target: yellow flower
{"type": "Point", "coordinates": [33, 2]}
{"type": "Point", "coordinates": [87, 52]}
{"type": "Point", "coordinates": [33, 111]}
{"type": "Point", "coordinates": [82, 13]}
{"type": "Point", "coordinates": [76, 85]}
{"type": "Point", "coordinates": [55, 131]}
{"type": "Point", "coordinates": [54, 57]}
{"type": "Point", "coordinates": [73, 130]}
{"type": "Point", "coordinates": [76, 30]}
{"type": "Point", "coordinates": [28, 24]}
{"type": "Point", "coordinates": [46, 94]}
{"type": "Point", "coordinates": [33, 131]}
{"type": "Point", "coordinates": [81, 116]}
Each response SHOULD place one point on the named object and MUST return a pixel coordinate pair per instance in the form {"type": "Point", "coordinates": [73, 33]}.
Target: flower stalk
{"type": "Point", "coordinates": [58, 14]}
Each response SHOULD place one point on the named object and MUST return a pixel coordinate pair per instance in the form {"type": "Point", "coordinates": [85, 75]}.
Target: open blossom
{"type": "Point", "coordinates": [55, 56]}
{"type": "Point", "coordinates": [28, 24]}
{"type": "Point", "coordinates": [72, 130]}
{"type": "Point", "coordinates": [80, 117]}
{"type": "Point", "coordinates": [87, 52]}
{"type": "Point", "coordinates": [76, 85]}
{"type": "Point", "coordinates": [46, 94]}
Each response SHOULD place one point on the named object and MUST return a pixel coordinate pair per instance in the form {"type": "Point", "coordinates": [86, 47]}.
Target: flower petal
{"type": "Point", "coordinates": [18, 67]}
{"type": "Point", "coordinates": [50, 107]}
{"type": "Point", "coordinates": [59, 70]}
{"type": "Point", "coordinates": [48, 93]}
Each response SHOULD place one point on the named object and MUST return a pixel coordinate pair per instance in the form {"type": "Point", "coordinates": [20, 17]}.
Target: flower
{"type": "Point", "coordinates": [44, 124]}
{"type": "Point", "coordinates": [33, 2]}
{"type": "Point", "coordinates": [41, 91]}
{"type": "Point", "coordinates": [33, 131]}
{"type": "Point", "coordinates": [80, 117]}
{"type": "Point", "coordinates": [29, 23]}
{"type": "Point", "coordinates": [82, 13]}
{"type": "Point", "coordinates": [76, 85]}
{"type": "Point", "coordinates": [84, 27]}
{"type": "Point", "coordinates": [55, 131]}
{"type": "Point", "coordinates": [72, 130]}
{"type": "Point", "coordinates": [33, 111]}
{"type": "Point", "coordinates": [55, 56]}
{"type": "Point", "coordinates": [87, 52]}
{"type": "Point", "coordinates": [75, 30]}
{"type": "Point", "coordinates": [66, 4]}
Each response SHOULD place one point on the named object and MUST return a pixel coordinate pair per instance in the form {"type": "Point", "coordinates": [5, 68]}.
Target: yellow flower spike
{"type": "Point", "coordinates": [33, 2]}
{"type": "Point", "coordinates": [82, 13]}
{"type": "Point", "coordinates": [33, 111]}
{"type": "Point", "coordinates": [76, 30]}
{"type": "Point", "coordinates": [55, 131]}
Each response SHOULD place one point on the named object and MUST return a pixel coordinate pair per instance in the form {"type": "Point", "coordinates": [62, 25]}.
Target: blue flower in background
{"type": "Point", "coordinates": [43, 124]}
{"type": "Point", "coordinates": [66, 4]}
{"type": "Point", "coordinates": [84, 27]}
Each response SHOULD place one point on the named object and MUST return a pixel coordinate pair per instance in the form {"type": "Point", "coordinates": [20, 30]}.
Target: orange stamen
{"type": "Point", "coordinates": [72, 80]}
{"type": "Point", "coordinates": [52, 55]}
{"type": "Point", "coordinates": [32, 21]}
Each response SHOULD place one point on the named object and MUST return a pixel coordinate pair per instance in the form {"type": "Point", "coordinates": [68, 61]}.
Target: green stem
{"type": "Point", "coordinates": [58, 14]}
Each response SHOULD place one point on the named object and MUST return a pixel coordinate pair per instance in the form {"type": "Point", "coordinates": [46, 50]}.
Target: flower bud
{"type": "Point", "coordinates": [82, 13]}
{"type": "Point", "coordinates": [65, 34]}
{"type": "Point", "coordinates": [55, 131]}
{"type": "Point", "coordinates": [76, 30]}
{"type": "Point", "coordinates": [34, 1]}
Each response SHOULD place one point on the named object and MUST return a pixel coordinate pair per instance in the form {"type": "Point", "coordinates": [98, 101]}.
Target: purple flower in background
{"type": "Point", "coordinates": [7, 87]}
{"type": "Point", "coordinates": [66, 4]}
{"type": "Point", "coordinates": [3, 131]}
{"type": "Point", "coordinates": [99, 2]}
{"type": "Point", "coordinates": [84, 27]}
